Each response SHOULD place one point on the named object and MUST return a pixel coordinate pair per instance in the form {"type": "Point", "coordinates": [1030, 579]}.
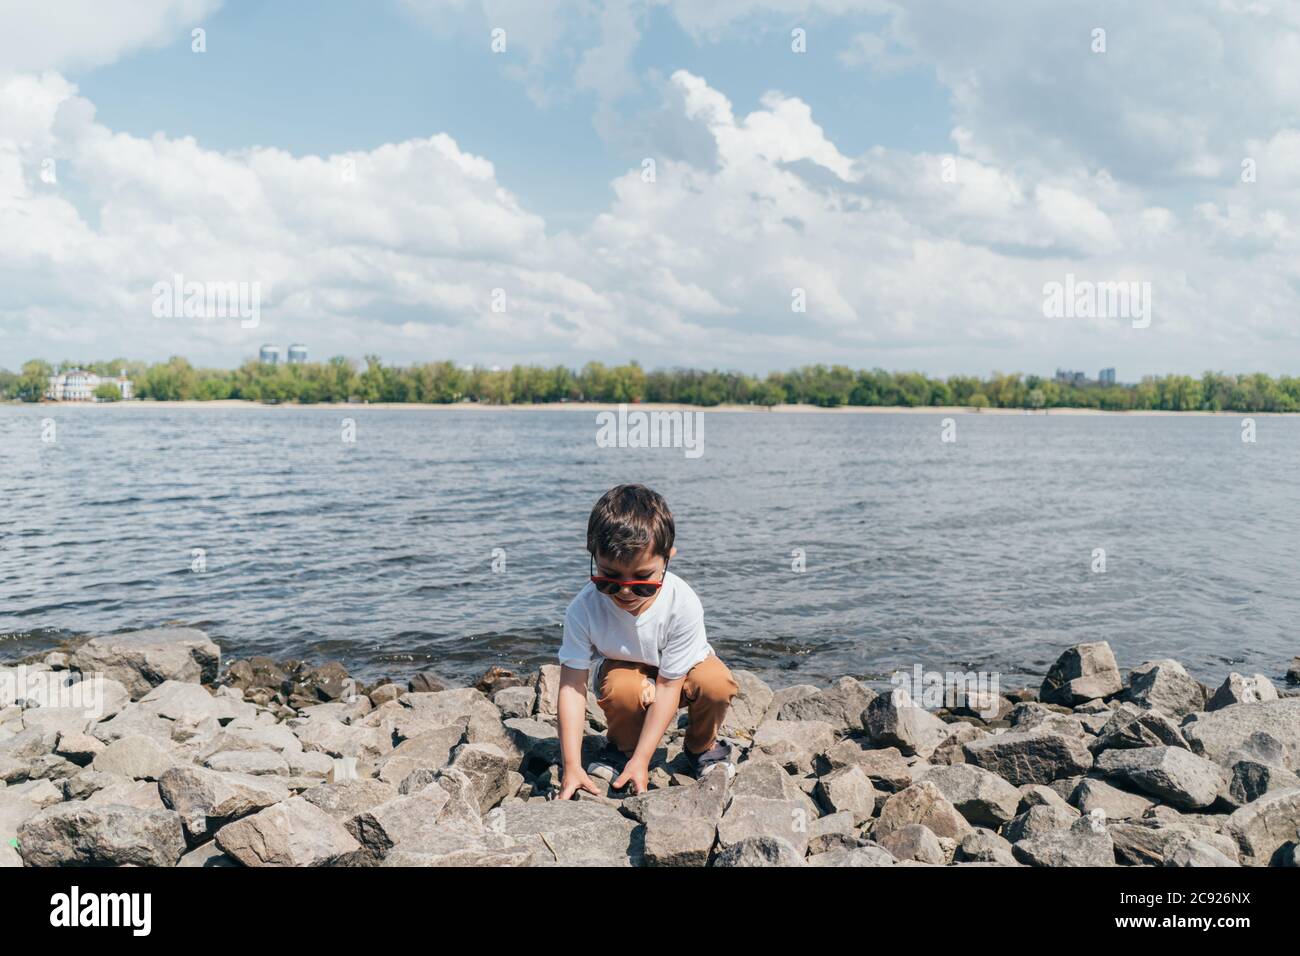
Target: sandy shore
{"type": "Point", "coordinates": [592, 407]}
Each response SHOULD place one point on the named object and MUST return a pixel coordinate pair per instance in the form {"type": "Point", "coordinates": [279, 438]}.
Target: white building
{"type": "Point", "coordinates": [79, 385]}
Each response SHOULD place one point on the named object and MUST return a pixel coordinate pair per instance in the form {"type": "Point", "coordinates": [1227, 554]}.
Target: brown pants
{"type": "Point", "coordinates": [706, 693]}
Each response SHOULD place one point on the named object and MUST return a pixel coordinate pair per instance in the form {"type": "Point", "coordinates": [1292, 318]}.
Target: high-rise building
{"type": "Point", "coordinates": [297, 354]}
{"type": "Point", "coordinates": [270, 355]}
{"type": "Point", "coordinates": [1106, 376]}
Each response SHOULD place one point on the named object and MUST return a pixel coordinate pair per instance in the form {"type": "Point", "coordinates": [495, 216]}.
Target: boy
{"type": "Point", "coordinates": [640, 628]}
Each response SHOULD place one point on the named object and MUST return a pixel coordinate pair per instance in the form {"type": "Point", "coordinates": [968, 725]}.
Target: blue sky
{"type": "Point", "coordinates": [916, 177]}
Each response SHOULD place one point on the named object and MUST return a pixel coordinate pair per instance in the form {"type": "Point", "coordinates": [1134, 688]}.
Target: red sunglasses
{"type": "Point", "coordinates": [613, 585]}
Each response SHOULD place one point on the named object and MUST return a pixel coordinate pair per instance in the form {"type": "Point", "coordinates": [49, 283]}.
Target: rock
{"type": "Point", "coordinates": [454, 847]}
{"type": "Point", "coordinates": [833, 831]}
{"type": "Point", "coordinates": [1176, 776]}
{"type": "Point", "coordinates": [952, 750]}
{"type": "Point", "coordinates": [337, 739]}
{"type": "Point", "coordinates": [681, 822]}
{"type": "Point", "coordinates": [516, 701]}
{"type": "Point", "coordinates": [82, 834]}
{"type": "Point", "coordinates": [328, 681]}
{"type": "Point", "coordinates": [291, 833]}
{"type": "Point", "coordinates": [750, 816]}
{"type": "Point", "coordinates": [1037, 795]}
{"type": "Point", "coordinates": [402, 819]}
{"type": "Point", "coordinates": [1150, 842]}
{"type": "Point", "coordinates": [348, 798]}
{"type": "Point", "coordinates": [1217, 734]}
{"type": "Point", "coordinates": [1032, 757]}
{"type": "Point", "coordinates": [140, 794]}
{"type": "Point", "coordinates": [984, 799]}
{"type": "Point", "coordinates": [176, 699]}
{"type": "Point", "coordinates": [496, 679]}
{"type": "Point", "coordinates": [1252, 779]}
{"type": "Point", "coordinates": [207, 800]}
{"type": "Point", "coordinates": [78, 748]}
{"type": "Point", "coordinates": [887, 768]}
{"type": "Point", "coordinates": [914, 842]}
{"type": "Point", "coordinates": [1242, 690]}
{"type": "Point", "coordinates": [1082, 673]}
{"type": "Point", "coordinates": [141, 660]}
{"type": "Point", "coordinates": [548, 690]}
{"type": "Point", "coordinates": [1044, 718]}
{"type": "Point", "coordinates": [42, 793]}
{"type": "Point", "coordinates": [488, 769]}
{"type": "Point", "coordinates": [13, 811]}
{"type": "Point", "coordinates": [871, 855]}
{"type": "Point", "coordinates": [794, 743]}
{"type": "Point", "coordinates": [847, 789]}
{"type": "Point", "coordinates": [748, 708]}
{"type": "Point", "coordinates": [985, 846]}
{"type": "Point", "coordinates": [537, 740]}
{"type": "Point", "coordinates": [1165, 686]}
{"type": "Point", "coordinates": [1039, 821]}
{"type": "Point", "coordinates": [1084, 843]}
{"type": "Point", "coordinates": [427, 682]}
{"type": "Point", "coordinates": [207, 855]}
{"type": "Point", "coordinates": [570, 832]}
{"type": "Point", "coordinates": [133, 722]}
{"type": "Point", "coordinates": [430, 750]}
{"type": "Point", "coordinates": [1265, 826]}
{"type": "Point", "coordinates": [893, 720]}
{"type": "Point", "coordinates": [137, 757]}
{"type": "Point", "coordinates": [1130, 727]}
{"type": "Point", "coordinates": [1198, 853]}
{"type": "Point", "coordinates": [252, 762]}
{"type": "Point", "coordinates": [759, 851]}
{"type": "Point", "coordinates": [1293, 672]}
{"type": "Point", "coordinates": [923, 803]}
{"type": "Point", "coordinates": [385, 693]}
{"type": "Point", "coordinates": [1114, 804]}
{"type": "Point", "coordinates": [839, 705]}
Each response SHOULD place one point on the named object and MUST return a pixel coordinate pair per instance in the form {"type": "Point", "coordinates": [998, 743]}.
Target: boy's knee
{"type": "Point", "coordinates": [622, 690]}
{"type": "Point", "coordinates": [717, 686]}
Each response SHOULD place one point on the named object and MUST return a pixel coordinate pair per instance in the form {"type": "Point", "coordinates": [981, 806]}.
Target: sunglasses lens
{"type": "Point", "coordinates": [606, 587]}
{"type": "Point", "coordinates": [644, 590]}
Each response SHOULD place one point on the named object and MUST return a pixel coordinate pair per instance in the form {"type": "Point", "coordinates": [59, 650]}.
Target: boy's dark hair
{"type": "Point", "coordinates": [628, 518]}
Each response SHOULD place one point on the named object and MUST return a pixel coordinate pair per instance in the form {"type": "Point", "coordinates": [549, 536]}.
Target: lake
{"type": "Point", "coordinates": [453, 539]}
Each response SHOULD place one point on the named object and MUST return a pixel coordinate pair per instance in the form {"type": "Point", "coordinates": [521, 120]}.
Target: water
{"type": "Point", "coordinates": [975, 554]}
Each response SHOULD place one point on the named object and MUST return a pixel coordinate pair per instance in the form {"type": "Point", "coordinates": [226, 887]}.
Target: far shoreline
{"type": "Point", "coordinates": [782, 409]}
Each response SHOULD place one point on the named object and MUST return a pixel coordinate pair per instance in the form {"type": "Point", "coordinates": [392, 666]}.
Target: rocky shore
{"type": "Point", "coordinates": [141, 749]}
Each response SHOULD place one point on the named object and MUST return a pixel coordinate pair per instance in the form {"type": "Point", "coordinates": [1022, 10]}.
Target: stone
{"type": "Point", "coordinates": [385, 693]}
{"type": "Point", "coordinates": [952, 750]}
{"type": "Point", "coordinates": [82, 834]}
{"type": "Point", "coordinates": [1217, 734]}
{"type": "Point", "coordinates": [1084, 843]}
{"type": "Point", "coordinates": [347, 798]}
{"type": "Point", "coordinates": [453, 847]}
{"type": "Point", "coordinates": [923, 802]}
{"type": "Point", "coordinates": [748, 708]}
{"type": "Point", "coordinates": [253, 762]}
{"type": "Point", "coordinates": [833, 831]}
{"type": "Point", "coordinates": [137, 757]}
{"type": "Point", "coordinates": [750, 816]}
{"type": "Point", "coordinates": [399, 820]}
{"type": "Point", "coordinates": [1176, 776]}
{"type": "Point", "coordinates": [847, 789]}
{"type": "Point", "coordinates": [1037, 795]}
{"type": "Point", "coordinates": [870, 855]}
{"type": "Point", "coordinates": [427, 682]}
{"type": "Point", "coordinates": [914, 842]}
{"type": "Point", "coordinates": [1038, 821]}
{"type": "Point", "coordinates": [886, 768]}
{"type": "Point", "coordinates": [520, 701]}
{"type": "Point", "coordinates": [1165, 686]}
{"type": "Point", "coordinates": [488, 769]}
{"type": "Point", "coordinates": [839, 705]}
{"type": "Point", "coordinates": [759, 851]}
{"type": "Point", "coordinates": [1237, 689]}
{"type": "Point", "coordinates": [681, 823]}
{"type": "Point", "coordinates": [1130, 727]}
{"type": "Point", "coordinates": [548, 690]}
{"type": "Point", "coordinates": [1082, 673]}
{"type": "Point", "coordinates": [1265, 826]}
{"type": "Point", "coordinates": [337, 739]}
{"type": "Point", "coordinates": [207, 800]}
{"type": "Point", "coordinates": [140, 794]}
{"type": "Point", "coordinates": [1252, 779]}
{"type": "Point", "coordinates": [42, 793]}
{"type": "Point", "coordinates": [1198, 853]}
{"type": "Point", "coordinates": [983, 798]}
{"type": "Point", "coordinates": [291, 833]}
{"type": "Point", "coordinates": [570, 832]}
{"type": "Point", "coordinates": [794, 743]}
{"type": "Point", "coordinates": [984, 846]}
{"type": "Point", "coordinates": [1150, 842]}
{"type": "Point", "coordinates": [141, 660]}
{"type": "Point", "coordinates": [1114, 804]}
{"type": "Point", "coordinates": [1293, 672]}
{"type": "Point", "coordinates": [205, 856]}
{"type": "Point", "coordinates": [1030, 757]}
{"type": "Point", "coordinates": [176, 699]}
{"type": "Point", "coordinates": [79, 748]}
{"type": "Point", "coordinates": [430, 750]}
{"type": "Point", "coordinates": [893, 720]}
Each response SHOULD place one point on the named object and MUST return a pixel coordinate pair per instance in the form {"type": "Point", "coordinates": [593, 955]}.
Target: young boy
{"type": "Point", "coordinates": [640, 628]}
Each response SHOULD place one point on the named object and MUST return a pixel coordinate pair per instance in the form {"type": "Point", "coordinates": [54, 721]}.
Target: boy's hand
{"type": "Point", "coordinates": [575, 780]}
{"type": "Point", "coordinates": [637, 773]}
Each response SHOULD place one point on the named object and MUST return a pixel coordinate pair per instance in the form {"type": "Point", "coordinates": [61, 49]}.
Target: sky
{"type": "Point", "coordinates": [739, 184]}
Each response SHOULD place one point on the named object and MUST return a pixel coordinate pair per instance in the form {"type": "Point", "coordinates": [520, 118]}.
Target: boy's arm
{"type": "Point", "coordinates": [572, 711]}
{"type": "Point", "coordinates": [660, 714]}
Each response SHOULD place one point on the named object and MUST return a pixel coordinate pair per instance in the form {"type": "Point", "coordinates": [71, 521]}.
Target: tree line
{"type": "Point", "coordinates": [342, 380]}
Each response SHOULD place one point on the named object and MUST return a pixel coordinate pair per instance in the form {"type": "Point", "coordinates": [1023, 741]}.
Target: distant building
{"type": "Point", "coordinates": [1064, 377]}
{"type": "Point", "coordinates": [270, 355]}
{"type": "Point", "coordinates": [1106, 376]}
{"type": "Point", "coordinates": [79, 385]}
{"type": "Point", "coordinates": [297, 354]}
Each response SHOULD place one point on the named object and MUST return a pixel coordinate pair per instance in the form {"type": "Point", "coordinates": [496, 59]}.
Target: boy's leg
{"type": "Point", "coordinates": [707, 692]}
{"type": "Point", "coordinates": [624, 701]}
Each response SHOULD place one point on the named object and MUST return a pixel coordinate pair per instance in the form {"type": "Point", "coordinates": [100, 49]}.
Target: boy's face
{"type": "Point", "coordinates": [646, 566]}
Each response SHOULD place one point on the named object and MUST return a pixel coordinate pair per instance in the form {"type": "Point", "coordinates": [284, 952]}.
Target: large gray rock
{"type": "Point", "coordinates": [1082, 673]}
{"type": "Point", "coordinates": [1039, 820]}
{"type": "Point", "coordinates": [1251, 779]}
{"type": "Point", "coordinates": [839, 705]}
{"type": "Point", "coordinates": [895, 720]}
{"type": "Point", "coordinates": [1131, 726]}
{"type": "Point", "coordinates": [1084, 843]}
{"type": "Point", "coordinates": [1264, 827]}
{"type": "Point", "coordinates": [1238, 689]}
{"type": "Point", "coordinates": [748, 816]}
{"type": "Point", "coordinates": [848, 789]}
{"type": "Point", "coordinates": [1165, 686]}
{"type": "Point", "coordinates": [570, 832]}
{"type": "Point", "coordinates": [681, 823]}
{"type": "Point", "coordinates": [984, 846]}
{"type": "Point", "coordinates": [1111, 802]}
{"type": "Point", "coordinates": [983, 798]}
{"type": "Point", "coordinates": [451, 846]}
{"type": "Point", "coordinates": [141, 660]}
{"type": "Point", "coordinates": [175, 700]}
{"type": "Point", "coordinates": [292, 833]}
{"type": "Point", "coordinates": [1151, 842]}
{"type": "Point", "coordinates": [868, 855]}
{"type": "Point", "coordinates": [794, 743]}
{"type": "Point", "coordinates": [344, 799]}
{"type": "Point", "coordinates": [914, 842]}
{"type": "Point", "coordinates": [488, 769]}
{"type": "Point", "coordinates": [1030, 757]}
{"type": "Point", "coordinates": [137, 757]}
{"type": "Point", "coordinates": [1176, 776]}
{"type": "Point", "coordinates": [207, 800]}
{"type": "Point", "coordinates": [82, 834]}
{"type": "Point", "coordinates": [402, 819]}
{"type": "Point", "coordinates": [923, 802]}
{"type": "Point", "coordinates": [1198, 853]}
{"type": "Point", "coordinates": [431, 749]}
{"type": "Point", "coordinates": [1220, 734]}
{"type": "Point", "coordinates": [749, 706]}
{"type": "Point", "coordinates": [886, 767]}
{"type": "Point", "coordinates": [759, 851]}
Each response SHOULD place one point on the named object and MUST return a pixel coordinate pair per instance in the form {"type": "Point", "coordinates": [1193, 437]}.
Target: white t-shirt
{"type": "Point", "coordinates": [669, 635]}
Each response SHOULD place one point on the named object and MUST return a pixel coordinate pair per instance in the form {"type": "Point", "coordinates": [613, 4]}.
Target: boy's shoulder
{"type": "Point", "coordinates": [685, 600]}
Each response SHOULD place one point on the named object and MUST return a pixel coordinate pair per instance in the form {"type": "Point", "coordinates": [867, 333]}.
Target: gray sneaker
{"type": "Point", "coordinates": [717, 757]}
{"type": "Point", "coordinates": [608, 763]}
